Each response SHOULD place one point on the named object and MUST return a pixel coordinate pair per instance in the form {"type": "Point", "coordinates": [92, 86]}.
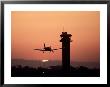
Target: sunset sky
{"type": "Point", "coordinates": [31, 29]}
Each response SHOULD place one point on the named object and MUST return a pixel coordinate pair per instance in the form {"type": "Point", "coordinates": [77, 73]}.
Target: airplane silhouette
{"type": "Point", "coordinates": [46, 49]}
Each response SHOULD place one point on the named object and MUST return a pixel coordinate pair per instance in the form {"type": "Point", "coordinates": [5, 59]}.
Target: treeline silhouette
{"type": "Point", "coordinates": [53, 71]}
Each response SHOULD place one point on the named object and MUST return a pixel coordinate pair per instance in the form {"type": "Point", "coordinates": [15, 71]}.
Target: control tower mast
{"type": "Point", "coordinates": [65, 39]}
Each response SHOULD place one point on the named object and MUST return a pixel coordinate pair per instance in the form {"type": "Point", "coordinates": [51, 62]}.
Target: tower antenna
{"type": "Point", "coordinates": [63, 28]}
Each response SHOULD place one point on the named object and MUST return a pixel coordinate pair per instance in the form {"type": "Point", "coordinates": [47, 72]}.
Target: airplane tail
{"type": "Point", "coordinates": [44, 45]}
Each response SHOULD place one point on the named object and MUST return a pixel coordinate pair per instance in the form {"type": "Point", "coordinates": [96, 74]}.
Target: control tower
{"type": "Point", "coordinates": [65, 39]}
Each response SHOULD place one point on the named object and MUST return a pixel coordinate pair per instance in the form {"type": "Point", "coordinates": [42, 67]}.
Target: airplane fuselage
{"type": "Point", "coordinates": [47, 49]}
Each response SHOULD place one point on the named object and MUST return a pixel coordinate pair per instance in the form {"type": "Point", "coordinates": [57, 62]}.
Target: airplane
{"type": "Point", "coordinates": [46, 49]}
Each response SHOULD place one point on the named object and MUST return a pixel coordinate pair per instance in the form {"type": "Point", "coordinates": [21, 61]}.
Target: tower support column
{"type": "Point", "coordinates": [65, 39]}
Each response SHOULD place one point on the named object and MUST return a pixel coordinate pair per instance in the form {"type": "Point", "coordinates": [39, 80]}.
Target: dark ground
{"type": "Point", "coordinates": [53, 71]}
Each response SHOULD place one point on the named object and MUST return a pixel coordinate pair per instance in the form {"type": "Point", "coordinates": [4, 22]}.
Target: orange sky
{"type": "Point", "coordinates": [31, 29]}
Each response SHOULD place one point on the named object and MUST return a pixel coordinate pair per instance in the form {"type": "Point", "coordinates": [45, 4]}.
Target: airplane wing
{"type": "Point", "coordinates": [54, 49]}
{"type": "Point", "coordinates": [40, 49]}
{"type": "Point", "coordinates": [37, 49]}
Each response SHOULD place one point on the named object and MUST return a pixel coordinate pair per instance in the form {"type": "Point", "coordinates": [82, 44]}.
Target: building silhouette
{"type": "Point", "coordinates": [65, 39]}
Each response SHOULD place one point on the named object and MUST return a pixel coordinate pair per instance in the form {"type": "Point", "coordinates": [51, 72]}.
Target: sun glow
{"type": "Point", "coordinates": [44, 60]}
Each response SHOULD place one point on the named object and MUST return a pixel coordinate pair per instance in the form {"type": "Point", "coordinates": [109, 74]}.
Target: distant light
{"type": "Point", "coordinates": [43, 72]}
{"type": "Point", "coordinates": [44, 60]}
